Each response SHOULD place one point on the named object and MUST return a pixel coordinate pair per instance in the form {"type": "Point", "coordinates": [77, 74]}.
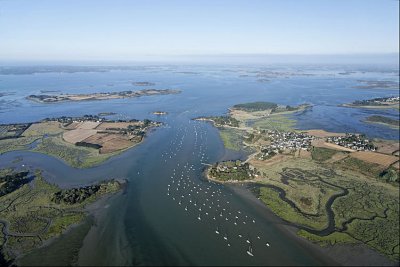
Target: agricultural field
{"type": "Point", "coordinates": [78, 135]}
{"type": "Point", "coordinates": [81, 142]}
{"type": "Point", "coordinates": [375, 158]}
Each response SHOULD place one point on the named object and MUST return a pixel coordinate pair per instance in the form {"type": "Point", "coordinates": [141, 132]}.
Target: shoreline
{"type": "Point", "coordinates": [392, 106]}
{"type": "Point", "coordinates": [338, 254]}
{"type": "Point", "coordinates": [60, 98]}
{"type": "Point", "coordinates": [88, 221]}
{"type": "Point", "coordinates": [86, 163]}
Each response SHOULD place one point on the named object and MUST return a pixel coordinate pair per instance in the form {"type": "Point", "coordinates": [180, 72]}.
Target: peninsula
{"type": "Point", "coordinates": [335, 188]}
{"type": "Point", "coordinates": [80, 141]}
{"type": "Point", "coordinates": [376, 103]}
{"type": "Point", "coordinates": [44, 98]}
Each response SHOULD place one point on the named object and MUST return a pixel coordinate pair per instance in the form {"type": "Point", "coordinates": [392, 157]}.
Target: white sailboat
{"type": "Point", "coordinates": [249, 251]}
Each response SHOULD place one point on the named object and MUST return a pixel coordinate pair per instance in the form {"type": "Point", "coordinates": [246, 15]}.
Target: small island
{"type": "Point", "coordinates": [376, 103]}
{"type": "Point", "coordinates": [103, 114]}
{"type": "Point", "coordinates": [159, 113]}
{"type": "Point", "coordinates": [143, 83]}
{"type": "Point", "coordinates": [100, 96]}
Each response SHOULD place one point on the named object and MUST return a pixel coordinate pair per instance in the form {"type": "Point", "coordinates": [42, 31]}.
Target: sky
{"type": "Point", "coordinates": [135, 30]}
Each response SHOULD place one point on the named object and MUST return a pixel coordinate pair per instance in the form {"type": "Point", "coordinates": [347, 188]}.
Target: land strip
{"type": "Point", "coordinates": [100, 96]}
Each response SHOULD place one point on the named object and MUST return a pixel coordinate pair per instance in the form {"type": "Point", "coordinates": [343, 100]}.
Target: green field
{"type": "Point", "coordinates": [256, 106]}
{"type": "Point", "coordinates": [232, 138]}
{"type": "Point", "coordinates": [278, 122]}
{"type": "Point", "coordinates": [322, 154]}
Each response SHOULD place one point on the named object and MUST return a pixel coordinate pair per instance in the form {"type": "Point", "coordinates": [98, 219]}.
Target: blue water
{"type": "Point", "coordinates": [147, 225]}
{"type": "Point", "coordinates": [209, 90]}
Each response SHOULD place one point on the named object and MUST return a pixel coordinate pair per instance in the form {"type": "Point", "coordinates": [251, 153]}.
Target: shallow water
{"type": "Point", "coordinates": [156, 221]}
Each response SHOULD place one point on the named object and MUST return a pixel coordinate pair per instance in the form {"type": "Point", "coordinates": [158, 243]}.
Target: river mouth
{"type": "Point", "coordinates": [170, 214]}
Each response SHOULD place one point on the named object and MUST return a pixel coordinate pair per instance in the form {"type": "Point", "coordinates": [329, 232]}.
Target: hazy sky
{"type": "Point", "coordinates": [117, 29]}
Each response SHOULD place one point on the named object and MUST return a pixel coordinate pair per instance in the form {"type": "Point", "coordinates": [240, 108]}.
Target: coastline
{"type": "Point", "coordinates": [334, 255]}
{"type": "Point", "coordinates": [393, 106]}
{"type": "Point", "coordinates": [60, 98]}
{"type": "Point", "coordinates": [88, 162]}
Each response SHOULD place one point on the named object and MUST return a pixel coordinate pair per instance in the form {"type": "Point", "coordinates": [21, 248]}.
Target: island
{"type": "Point", "coordinates": [100, 96]}
{"type": "Point", "coordinates": [34, 213]}
{"type": "Point", "coordinates": [376, 103]}
{"type": "Point", "coordinates": [103, 114]}
{"type": "Point", "coordinates": [160, 113]}
{"type": "Point", "coordinates": [143, 83]}
{"type": "Point", "coordinates": [334, 188]}
{"type": "Point", "coordinates": [80, 141]}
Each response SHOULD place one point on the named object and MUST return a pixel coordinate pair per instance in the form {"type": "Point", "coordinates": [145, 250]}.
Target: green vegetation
{"type": "Point", "coordinates": [79, 195]}
{"type": "Point", "coordinates": [232, 138]}
{"type": "Point", "coordinates": [16, 143]}
{"type": "Point", "coordinates": [28, 216]}
{"type": "Point", "coordinates": [12, 182]}
{"type": "Point", "coordinates": [390, 175]}
{"type": "Point", "coordinates": [370, 214]}
{"type": "Point", "coordinates": [256, 106]}
{"type": "Point", "coordinates": [322, 154]}
{"type": "Point", "coordinates": [332, 239]}
{"type": "Point", "coordinates": [332, 197]}
{"type": "Point", "coordinates": [275, 122]}
{"type": "Point", "coordinates": [225, 121]}
{"type": "Point", "coordinates": [287, 212]}
{"type": "Point", "coordinates": [76, 156]}
{"type": "Point", "coordinates": [231, 171]}
{"type": "Point", "coordinates": [383, 120]}
{"type": "Point", "coordinates": [335, 204]}
{"type": "Point", "coordinates": [366, 168]}
{"type": "Point", "coordinates": [10, 131]}
{"type": "Point", "coordinates": [64, 249]}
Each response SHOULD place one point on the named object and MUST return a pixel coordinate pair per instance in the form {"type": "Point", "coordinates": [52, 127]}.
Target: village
{"type": "Point", "coordinates": [353, 141]}
{"type": "Point", "coordinates": [379, 101]}
{"type": "Point", "coordinates": [284, 141]}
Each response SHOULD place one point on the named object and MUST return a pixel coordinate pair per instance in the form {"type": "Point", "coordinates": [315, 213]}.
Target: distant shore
{"type": "Point", "coordinates": [100, 96]}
